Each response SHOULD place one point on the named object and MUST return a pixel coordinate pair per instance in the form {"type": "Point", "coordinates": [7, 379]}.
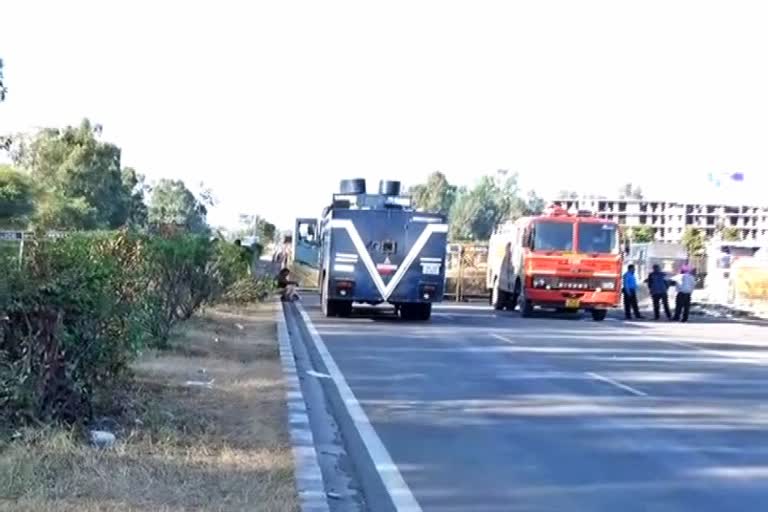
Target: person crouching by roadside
{"type": "Point", "coordinates": [684, 292]}
{"type": "Point", "coordinates": [286, 286]}
{"type": "Point", "coordinates": [629, 291]}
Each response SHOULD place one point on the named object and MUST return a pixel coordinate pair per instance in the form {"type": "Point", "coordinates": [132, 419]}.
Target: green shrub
{"type": "Point", "coordinates": [82, 307]}
{"type": "Point", "coordinates": [179, 284]}
{"type": "Point", "coordinates": [72, 323]}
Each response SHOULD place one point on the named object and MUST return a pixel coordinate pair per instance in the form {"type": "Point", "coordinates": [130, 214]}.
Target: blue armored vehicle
{"type": "Point", "coordinates": [376, 248]}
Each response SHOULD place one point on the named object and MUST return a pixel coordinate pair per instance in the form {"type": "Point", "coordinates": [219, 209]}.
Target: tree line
{"type": "Point", "coordinates": [475, 211]}
{"type": "Point", "coordinates": [70, 179]}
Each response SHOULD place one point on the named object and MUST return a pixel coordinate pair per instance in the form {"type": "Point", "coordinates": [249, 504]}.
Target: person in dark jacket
{"type": "Point", "coordinates": [658, 285]}
{"type": "Point", "coordinates": [286, 286]}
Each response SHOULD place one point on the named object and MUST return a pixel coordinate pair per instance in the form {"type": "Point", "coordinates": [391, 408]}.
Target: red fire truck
{"type": "Point", "coordinates": [559, 260]}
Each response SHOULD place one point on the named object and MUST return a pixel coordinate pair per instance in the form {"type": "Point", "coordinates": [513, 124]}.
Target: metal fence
{"type": "Point", "coordinates": [466, 271]}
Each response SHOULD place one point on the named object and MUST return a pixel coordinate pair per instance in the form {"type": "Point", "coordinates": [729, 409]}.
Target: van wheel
{"type": "Point", "coordinates": [598, 315]}
{"type": "Point", "coordinates": [499, 298]}
{"type": "Point", "coordinates": [515, 298]}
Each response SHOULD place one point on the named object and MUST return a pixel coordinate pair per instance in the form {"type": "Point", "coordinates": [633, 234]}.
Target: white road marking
{"type": "Point", "coordinates": [616, 383]}
{"type": "Point", "coordinates": [309, 478]}
{"type": "Point", "coordinates": [736, 358]}
{"type": "Point", "coordinates": [502, 338]}
{"type": "Point", "coordinates": [396, 487]}
{"type": "Point", "coordinates": [468, 307]}
{"type": "Point", "coordinates": [319, 375]}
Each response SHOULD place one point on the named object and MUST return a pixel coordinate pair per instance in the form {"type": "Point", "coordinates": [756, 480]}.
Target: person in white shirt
{"type": "Point", "coordinates": [684, 291]}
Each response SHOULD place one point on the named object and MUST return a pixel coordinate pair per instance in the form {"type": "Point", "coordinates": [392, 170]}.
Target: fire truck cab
{"type": "Point", "coordinates": [560, 260]}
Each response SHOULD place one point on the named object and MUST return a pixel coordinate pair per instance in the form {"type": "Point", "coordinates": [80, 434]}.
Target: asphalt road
{"type": "Point", "coordinates": [487, 411]}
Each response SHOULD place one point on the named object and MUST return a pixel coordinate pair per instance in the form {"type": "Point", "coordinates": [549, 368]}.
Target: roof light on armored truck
{"type": "Point", "coordinates": [389, 188]}
{"type": "Point", "coordinates": [353, 186]}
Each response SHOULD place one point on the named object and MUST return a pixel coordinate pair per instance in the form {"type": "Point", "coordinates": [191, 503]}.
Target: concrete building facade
{"type": "Point", "coordinates": [670, 219]}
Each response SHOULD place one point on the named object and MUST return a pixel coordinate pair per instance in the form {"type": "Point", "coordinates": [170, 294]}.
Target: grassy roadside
{"type": "Point", "coordinates": [180, 447]}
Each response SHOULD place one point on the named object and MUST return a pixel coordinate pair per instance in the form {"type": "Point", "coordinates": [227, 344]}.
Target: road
{"type": "Point", "coordinates": [487, 411]}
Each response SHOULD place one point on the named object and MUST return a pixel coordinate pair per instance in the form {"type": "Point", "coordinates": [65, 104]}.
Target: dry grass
{"type": "Point", "coordinates": [179, 448]}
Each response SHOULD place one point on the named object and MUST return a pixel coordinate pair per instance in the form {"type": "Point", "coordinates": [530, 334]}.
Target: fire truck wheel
{"type": "Point", "coordinates": [526, 306]}
{"type": "Point", "coordinates": [598, 315]}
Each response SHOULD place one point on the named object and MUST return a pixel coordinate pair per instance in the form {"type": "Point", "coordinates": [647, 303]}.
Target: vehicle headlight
{"type": "Point", "coordinates": [539, 282]}
{"type": "Point", "coordinates": [608, 285]}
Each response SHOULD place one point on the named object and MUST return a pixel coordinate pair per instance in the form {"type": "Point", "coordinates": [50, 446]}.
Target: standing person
{"type": "Point", "coordinates": [629, 290]}
{"type": "Point", "coordinates": [684, 291]}
{"type": "Point", "coordinates": [658, 285]}
{"type": "Point", "coordinates": [282, 257]}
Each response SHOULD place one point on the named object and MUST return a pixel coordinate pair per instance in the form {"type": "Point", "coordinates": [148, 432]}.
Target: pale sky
{"type": "Point", "coordinates": [570, 94]}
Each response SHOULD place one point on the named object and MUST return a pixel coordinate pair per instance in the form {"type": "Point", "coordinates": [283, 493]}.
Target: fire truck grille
{"type": "Point", "coordinates": [572, 283]}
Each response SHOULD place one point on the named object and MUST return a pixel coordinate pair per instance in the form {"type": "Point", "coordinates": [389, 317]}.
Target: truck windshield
{"type": "Point", "coordinates": [597, 238]}
{"type": "Point", "coordinates": [553, 236]}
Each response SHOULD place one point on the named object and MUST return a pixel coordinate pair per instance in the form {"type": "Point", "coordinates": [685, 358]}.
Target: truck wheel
{"type": "Point", "coordinates": [515, 298]}
{"type": "Point", "coordinates": [343, 307]}
{"type": "Point", "coordinates": [420, 312]}
{"type": "Point", "coordinates": [498, 297]}
{"type": "Point", "coordinates": [328, 307]}
{"type": "Point", "coordinates": [526, 306]}
{"type": "Point", "coordinates": [424, 312]}
{"type": "Point", "coordinates": [598, 315]}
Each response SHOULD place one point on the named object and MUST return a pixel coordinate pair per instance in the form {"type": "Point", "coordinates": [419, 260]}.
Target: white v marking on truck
{"type": "Point", "coordinates": [386, 289]}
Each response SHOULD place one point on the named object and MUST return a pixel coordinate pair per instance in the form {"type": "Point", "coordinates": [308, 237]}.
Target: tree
{"type": "Point", "coordinates": [173, 204]}
{"type": "Point", "coordinates": [629, 191]}
{"type": "Point", "coordinates": [694, 242]}
{"type": "Point", "coordinates": [255, 225]}
{"type": "Point", "coordinates": [730, 234]}
{"type": "Point", "coordinates": [83, 184]}
{"type": "Point", "coordinates": [478, 211]}
{"type": "Point", "coordinates": [3, 88]}
{"type": "Point", "coordinates": [536, 204]}
{"type": "Point", "coordinates": [5, 141]}
{"type": "Point", "coordinates": [642, 234]}
{"type": "Point", "coordinates": [435, 196]}
{"type": "Point", "coordinates": [16, 197]}
{"type": "Point", "coordinates": [137, 208]}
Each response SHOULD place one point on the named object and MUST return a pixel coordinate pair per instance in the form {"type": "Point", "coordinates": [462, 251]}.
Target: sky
{"type": "Point", "coordinates": [270, 104]}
